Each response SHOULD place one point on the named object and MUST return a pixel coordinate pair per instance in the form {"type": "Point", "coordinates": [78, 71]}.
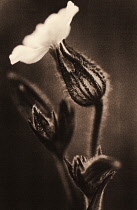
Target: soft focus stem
{"type": "Point", "coordinates": [73, 195]}
{"type": "Point", "coordinates": [61, 170]}
{"type": "Point", "coordinates": [96, 126]}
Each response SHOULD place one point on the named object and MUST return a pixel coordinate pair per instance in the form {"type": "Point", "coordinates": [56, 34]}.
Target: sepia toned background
{"type": "Point", "coordinates": [105, 31]}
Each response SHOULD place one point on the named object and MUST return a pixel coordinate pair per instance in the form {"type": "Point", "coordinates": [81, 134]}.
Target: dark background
{"type": "Point", "coordinates": [105, 31]}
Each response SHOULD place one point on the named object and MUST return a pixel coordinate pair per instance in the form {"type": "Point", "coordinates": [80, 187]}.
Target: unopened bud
{"type": "Point", "coordinates": [84, 80]}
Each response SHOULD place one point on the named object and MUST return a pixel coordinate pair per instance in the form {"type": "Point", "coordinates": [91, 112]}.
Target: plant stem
{"type": "Point", "coordinates": [73, 195]}
{"type": "Point", "coordinates": [96, 126]}
{"type": "Point", "coordinates": [61, 170]}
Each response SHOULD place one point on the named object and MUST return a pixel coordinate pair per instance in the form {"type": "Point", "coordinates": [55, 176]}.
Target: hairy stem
{"type": "Point", "coordinates": [96, 126]}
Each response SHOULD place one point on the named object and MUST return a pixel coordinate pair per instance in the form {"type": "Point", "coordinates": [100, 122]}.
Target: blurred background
{"type": "Point", "coordinates": [105, 31]}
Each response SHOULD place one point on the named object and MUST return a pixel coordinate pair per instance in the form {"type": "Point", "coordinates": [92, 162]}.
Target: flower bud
{"type": "Point", "coordinates": [45, 126]}
{"type": "Point", "coordinates": [90, 174]}
{"type": "Point", "coordinates": [84, 80]}
{"type": "Point", "coordinates": [55, 134]}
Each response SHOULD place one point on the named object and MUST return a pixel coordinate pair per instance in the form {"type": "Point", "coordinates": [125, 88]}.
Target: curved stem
{"type": "Point", "coordinates": [73, 195]}
{"type": "Point", "coordinates": [96, 126]}
{"type": "Point", "coordinates": [60, 167]}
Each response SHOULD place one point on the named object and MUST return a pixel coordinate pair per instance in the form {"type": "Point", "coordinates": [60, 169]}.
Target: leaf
{"type": "Point", "coordinates": [25, 95]}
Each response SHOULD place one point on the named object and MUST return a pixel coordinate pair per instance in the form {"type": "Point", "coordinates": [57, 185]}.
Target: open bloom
{"type": "Point", "coordinates": [49, 34]}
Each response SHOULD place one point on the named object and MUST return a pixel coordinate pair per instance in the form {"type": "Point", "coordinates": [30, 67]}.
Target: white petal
{"type": "Point", "coordinates": [71, 11]}
{"type": "Point", "coordinates": [55, 28]}
{"type": "Point", "coordinates": [26, 54]}
{"type": "Point", "coordinates": [34, 40]}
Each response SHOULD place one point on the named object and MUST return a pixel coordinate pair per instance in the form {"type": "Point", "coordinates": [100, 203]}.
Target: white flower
{"type": "Point", "coordinates": [55, 28]}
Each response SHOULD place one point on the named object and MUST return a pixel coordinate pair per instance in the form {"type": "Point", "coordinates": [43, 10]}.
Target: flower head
{"type": "Point", "coordinates": [85, 81]}
{"type": "Point", "coordinates": [55, 28]}
{"type": "Point", "coordinates": [90, 174]}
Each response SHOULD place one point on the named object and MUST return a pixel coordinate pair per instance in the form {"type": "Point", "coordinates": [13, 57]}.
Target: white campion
{"type": "Point", "coordinates": [49, 34]}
